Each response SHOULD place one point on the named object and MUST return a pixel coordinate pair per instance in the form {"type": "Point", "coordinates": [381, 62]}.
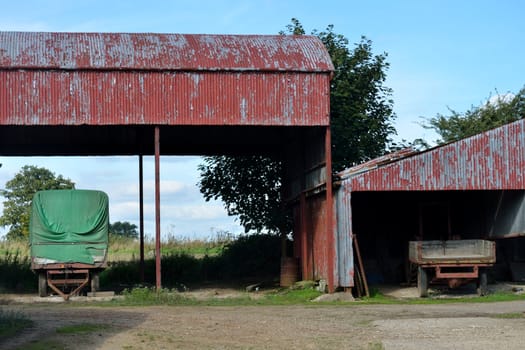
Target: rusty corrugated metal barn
{"type": "Point", "coordinates": [472, 188]}
{"type": "Point", "coordinates": [174, 94]}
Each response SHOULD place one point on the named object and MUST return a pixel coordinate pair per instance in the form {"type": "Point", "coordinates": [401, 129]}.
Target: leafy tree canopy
{"type": "Point", "coordinates": [249, 187]}
{"type": "Point", "coordinates": [497, 111]}
{"type": "Point", "coordinates": [361, 120]}
{"type": "Point", "coordinates": [18, 194]}
{"type": "Point", "coordinates": [124, 229]}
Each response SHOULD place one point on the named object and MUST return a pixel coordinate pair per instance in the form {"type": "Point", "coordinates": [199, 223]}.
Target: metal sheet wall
{"type": "Point", "coordinates": [492, 160]}
{"type": "Point", "coordinates": [344, 236]}
{"type": "Point", "coordinates": [168, 98]}
{"type": "Point", "coordinates": [317, 231]}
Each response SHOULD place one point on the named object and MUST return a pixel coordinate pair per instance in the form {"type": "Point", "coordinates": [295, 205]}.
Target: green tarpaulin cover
{"type": "Point", "coordinates": [69, 226]}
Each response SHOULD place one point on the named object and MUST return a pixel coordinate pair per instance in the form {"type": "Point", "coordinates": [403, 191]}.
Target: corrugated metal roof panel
{"type": "Point", "coordinates": [147, 51]}
{"type": "Point", "coordinates": [493, 160]}
{"type": "Point", "coordinates": [57, 97]}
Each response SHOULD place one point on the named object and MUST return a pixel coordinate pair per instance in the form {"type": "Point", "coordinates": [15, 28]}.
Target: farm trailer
{"type": "Point", "coordinates": [68, 238]}
{"type": "Point", "coordinates": [455, 261]}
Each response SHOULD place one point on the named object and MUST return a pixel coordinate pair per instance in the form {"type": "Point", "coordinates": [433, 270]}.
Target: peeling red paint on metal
{"type": "Point", "coordinates": [162, 79]}
{"type": "Point", "coordinates": [493, 160]}
{"type": "Point", "coordinates": [148, 51]}
{"type": "Point", "coordinates": [77, 98]}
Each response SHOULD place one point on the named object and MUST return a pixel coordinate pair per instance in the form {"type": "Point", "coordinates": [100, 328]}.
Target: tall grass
{"type": "Point", "coordinates": [221, 258]}
{"type": "Point", "coordinates": [246, 258]}
{"type": "Point", "coordinates": [15, 272]}
{"type": "Point", "coordinates": [125, 249]}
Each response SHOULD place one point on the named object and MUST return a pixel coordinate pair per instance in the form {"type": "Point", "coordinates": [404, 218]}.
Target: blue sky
{"type": "Point", "coordinates": [442, 54]}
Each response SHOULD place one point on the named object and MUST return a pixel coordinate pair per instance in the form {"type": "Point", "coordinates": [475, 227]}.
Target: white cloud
{"type": "Point", "coordinates": [500, 98]}
{"type": "Point", "coordinates": [167, 187]}
{"type": "Point", "coordinates": [193, 212]}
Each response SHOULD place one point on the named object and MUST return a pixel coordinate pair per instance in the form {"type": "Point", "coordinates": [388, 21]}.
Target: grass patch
{"type": "Point", "coordinates": [291, 296]}
{"type": "Point", "coordinates": [12, 322]}
{"type": "Point", "coordinates": [376, 297]}
{"type": "Point", "coordinates": [82, 328]}
{"type": "Point", "coordinates": [144, 296]}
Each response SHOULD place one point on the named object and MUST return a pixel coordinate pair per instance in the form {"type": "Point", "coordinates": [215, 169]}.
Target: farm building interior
{"type": "Point", "coordinates": [385, 222]}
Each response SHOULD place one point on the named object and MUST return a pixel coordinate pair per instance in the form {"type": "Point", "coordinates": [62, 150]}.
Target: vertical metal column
{"type": "Point", "coordinates": [305, 257]}
{"type": "Point", "coordinates": [157, 208]}
{"type": "Point", "coordinates": [330, 241]}
{"type": "Point", "coordinates": [141, 218]}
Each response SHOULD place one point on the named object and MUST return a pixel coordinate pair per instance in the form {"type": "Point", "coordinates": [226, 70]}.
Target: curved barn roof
{"type": "Point", "coordinates": [101, 93]}
{"type": "Point", "coordinates": [193, 52]}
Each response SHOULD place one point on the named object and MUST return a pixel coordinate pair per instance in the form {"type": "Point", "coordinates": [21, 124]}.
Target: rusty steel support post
{"type": "Point", "coordinates": [303, 237]}
{"type": "Point", "coordinates": [330, 241]}
{"type": "Point", "coordinates": [141, 218]}
{"type": "Point", "coordinates": [157, 209]}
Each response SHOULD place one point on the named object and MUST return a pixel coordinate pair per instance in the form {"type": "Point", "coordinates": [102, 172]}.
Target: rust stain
{"type": "Point", "coordinates": [162, 79]}
{"type": "Point", "coordinates": [37, 50]}
{"type": "Point", "coordinates": [493, 160]}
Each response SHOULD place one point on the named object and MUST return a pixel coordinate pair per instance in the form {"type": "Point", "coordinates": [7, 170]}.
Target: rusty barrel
{"type": "Point", "coordinates": [289, 271]}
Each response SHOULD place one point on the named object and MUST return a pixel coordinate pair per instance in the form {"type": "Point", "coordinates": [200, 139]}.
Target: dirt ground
{"type": "Point", "coordinates": [317, 326]}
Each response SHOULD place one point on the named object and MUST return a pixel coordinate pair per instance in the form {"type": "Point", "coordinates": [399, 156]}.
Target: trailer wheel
{"type": "Point", "coordinates": [482, 282]}
{"type": "Point", "coordinates": [95, 282]}
{"type": "Point", "coordinates": [422, 282]}
{"type": "Point", "coordinates": [42, 284]}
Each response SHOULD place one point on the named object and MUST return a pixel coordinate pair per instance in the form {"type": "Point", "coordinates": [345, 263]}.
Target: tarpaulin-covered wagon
{"type": "Point", "coordinates": [68, 238]}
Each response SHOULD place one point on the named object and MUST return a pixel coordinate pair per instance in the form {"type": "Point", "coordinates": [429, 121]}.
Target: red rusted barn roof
{"type": "Point", "coordinates": [163, 79]}
{"type": "Point", "coordinates": [101, 93]}
{"type": "Point", "coordinates": [493, 160]}
{"type": "Point", "coordinates": [186, 52]}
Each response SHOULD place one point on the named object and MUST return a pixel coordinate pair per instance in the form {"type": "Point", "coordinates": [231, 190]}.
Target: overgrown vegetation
{"type": "Point", "coordinates": [15, 271]}
{"type": "Point", "coordinates": [150, 296]}
{"type": "Point", "coordinates": [184, 261]}
{"type": "Point", "coordinates": [246, 258]}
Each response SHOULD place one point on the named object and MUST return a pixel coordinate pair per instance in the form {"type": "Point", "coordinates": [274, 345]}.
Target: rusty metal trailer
{"type": "Point", "coordinates": [455, 261]}
{"type": "Point", "coordinates": [67, 279]}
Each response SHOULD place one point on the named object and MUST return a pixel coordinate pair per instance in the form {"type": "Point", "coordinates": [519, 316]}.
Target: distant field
{"type": "Point", "coordinates": [126, 249]}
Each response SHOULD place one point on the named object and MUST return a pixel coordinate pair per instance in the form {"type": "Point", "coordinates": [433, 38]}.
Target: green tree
{"type": "Point", "coordinates": [249, 187]}
{"type": "Point", "coordinates": [497, 111]}
{"type": "Point", "coordinates": [124, 229]}
{"type": "Point", "coordinates": [361, 116]}
{"type": "Point", "coordinates": [361, 108]}
{"type": "Point", "coordinates": [18, 194]}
